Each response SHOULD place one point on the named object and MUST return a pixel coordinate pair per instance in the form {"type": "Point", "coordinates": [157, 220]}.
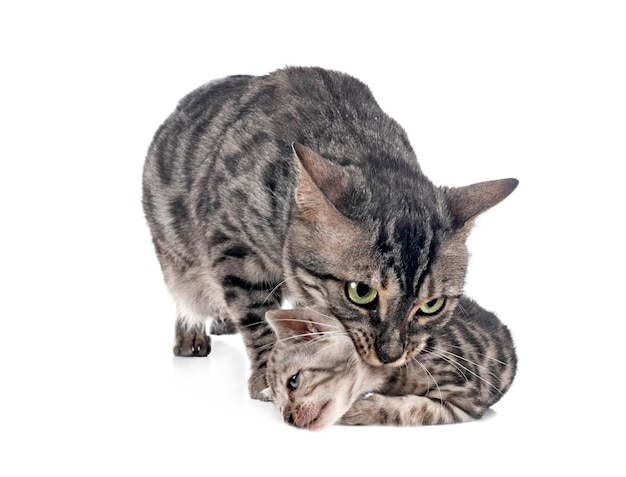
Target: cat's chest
{"type": "Point", "coordinates": [411, 379]}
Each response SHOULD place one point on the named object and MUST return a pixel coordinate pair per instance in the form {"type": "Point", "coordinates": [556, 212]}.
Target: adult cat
{"type": "Point", "coordinates": [459, 370]}
{"type": "Point", "coordinates": [296, 184]}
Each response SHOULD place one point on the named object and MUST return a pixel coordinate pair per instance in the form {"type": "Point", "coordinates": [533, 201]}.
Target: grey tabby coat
{"type": "Point", "coordinates": [296, 185]}
{"type": "Point", "coordinates": [317, 378]}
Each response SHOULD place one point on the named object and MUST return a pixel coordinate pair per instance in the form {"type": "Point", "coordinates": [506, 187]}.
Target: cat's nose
{"type": "Point", "coordinates": [389, 353]}
{"type": "Point", "coordinates": [389, 345]}
{"type": "Point", "coordinates": [388, 358]}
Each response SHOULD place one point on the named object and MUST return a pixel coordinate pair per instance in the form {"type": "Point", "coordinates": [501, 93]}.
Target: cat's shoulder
{"type": "Point", "coordinates": [470, 311]}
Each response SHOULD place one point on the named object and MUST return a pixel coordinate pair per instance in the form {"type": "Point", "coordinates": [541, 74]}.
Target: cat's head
{"type": "Point", "coordinates": [385, 253]}
{"type": "Point", "coordinates": [313, 371]}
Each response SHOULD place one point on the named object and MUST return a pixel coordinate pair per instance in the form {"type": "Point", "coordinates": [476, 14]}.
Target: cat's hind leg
{"type": "Point", "coordinates": [191, 340]}
{"type": "Point", "coordinates": [197, 299]}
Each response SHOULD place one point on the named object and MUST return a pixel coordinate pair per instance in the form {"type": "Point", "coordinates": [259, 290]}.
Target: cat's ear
{"type": "Point", "coordinates": [322, 185]}
{"type": "Point", "coordinates": [470, 201]}
{"type": "Point", "coordinates": [298, 324]}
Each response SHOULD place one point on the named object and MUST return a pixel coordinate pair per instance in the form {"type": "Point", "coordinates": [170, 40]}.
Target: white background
{"type": "Point", "coordinates": [533, 90]}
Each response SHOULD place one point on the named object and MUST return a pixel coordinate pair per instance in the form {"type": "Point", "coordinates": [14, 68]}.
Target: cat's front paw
{"type": "Point", "coordinates": [364, 411]}
{"type": "Point", "coordinates": [258, 388]}
{"type": "Point", "coordinates": [266, 394]}
{"type": "Point", "coordinates": [192, 343]}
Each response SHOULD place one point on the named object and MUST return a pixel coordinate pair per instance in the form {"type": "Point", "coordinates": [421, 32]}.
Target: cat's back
{"type": "Point", "coordinates": [187, 131]}
{"type": "Point", "coordinates": [247, 118]}
{"type": "Point", "coordinates": [230, 142]}
{"type": "Point", "coordinates": [207, 100]}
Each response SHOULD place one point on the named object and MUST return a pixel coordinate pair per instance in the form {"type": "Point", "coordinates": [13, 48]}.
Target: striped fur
{"type": "Point", "coordinates": [289, 186]}
{"type": "Point", "coordinates": [461, 370]}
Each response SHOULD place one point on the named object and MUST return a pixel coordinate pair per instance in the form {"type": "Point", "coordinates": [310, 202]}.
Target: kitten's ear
{"type": "Point", "coordinates": [299, 324]}
{"type": "Point", "coordinates": [322, 183]}
{"type": "Point", "coordinates": [469, 201]}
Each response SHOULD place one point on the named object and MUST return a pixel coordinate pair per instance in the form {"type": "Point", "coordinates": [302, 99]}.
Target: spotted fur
{"type": "Point", "coordinates": [459, 371]}
{"type": "Point", "coordinates": [288, 186]}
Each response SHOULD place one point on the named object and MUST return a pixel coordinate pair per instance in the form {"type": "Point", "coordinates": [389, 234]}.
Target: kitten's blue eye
{"type": "Point", "coordinates": [360, 293]}
{"type": "Point", "coordinates": [293, 382]}
{"type": "Point", "coordinates": [432, 307]}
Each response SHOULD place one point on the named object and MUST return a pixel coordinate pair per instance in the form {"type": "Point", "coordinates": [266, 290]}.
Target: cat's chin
{"type": "Point", "coordinates": [326, 417]}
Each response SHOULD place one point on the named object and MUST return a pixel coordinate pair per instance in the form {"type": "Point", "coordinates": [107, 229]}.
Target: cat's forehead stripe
{"type": "Point", "coordinates": [409, 250]}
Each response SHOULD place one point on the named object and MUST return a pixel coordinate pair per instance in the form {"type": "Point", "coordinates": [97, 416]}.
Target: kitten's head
{"type": "Point", "coordinates": [313, 370]}
{"type": "Point", "coordinates": [383, 253]}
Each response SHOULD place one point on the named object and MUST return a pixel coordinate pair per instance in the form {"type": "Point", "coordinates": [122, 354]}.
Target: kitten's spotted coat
{"type": "Point", "coordinates": [317, 378]}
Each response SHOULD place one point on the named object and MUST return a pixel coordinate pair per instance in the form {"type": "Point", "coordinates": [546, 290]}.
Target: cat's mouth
{"type": "Point", "coordinates": [307, 418]}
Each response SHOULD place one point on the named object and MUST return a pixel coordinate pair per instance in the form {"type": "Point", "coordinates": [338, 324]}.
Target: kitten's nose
{"type": "Point", "coordinates": [289, 419]}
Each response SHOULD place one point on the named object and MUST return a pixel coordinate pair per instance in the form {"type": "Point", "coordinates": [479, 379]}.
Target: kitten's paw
{"type": "Point", "coordinates": [257, 387]}
{"type": "Point", "coordinates": [192, 343]}
{"type": "Point", "coordinates": [265, 395]}
{"type": "Point", "coordinates": [363, 412]}
{"type": "Point", "coordinates": [222, 326]}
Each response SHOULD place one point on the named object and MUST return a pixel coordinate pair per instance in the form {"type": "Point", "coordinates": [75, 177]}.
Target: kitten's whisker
{"type": "Point", "coordinates": [305, 321]}
{"type": "Point", "coordinates": [315, 336]}
{"type": "Point", "coordinates": [331, 345]}
{"type": "Point", "coordinates": [353, 361]}
{"type": "Point", "coordinates": [343, 337]}
{"type": "Point", "coordinates": [332, 318]}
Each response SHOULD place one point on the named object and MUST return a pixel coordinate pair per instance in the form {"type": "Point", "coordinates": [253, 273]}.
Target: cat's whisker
{"type": "Point", "coordinates": [481, 378]}
{"type": "Point", "coordinates": [451, 362]}
{"type": "Point", "coordinates": [430, 376]}
{"type": "Point", "coordinates": [254, 323]}
{"type": "Point", "coordinates": [462, 308]}
{"type": "Point", "coordinates": [273, 290]}
{"type": "Point", "coordinates": [482, 355]}
{"type": "Point", "coordinates": [484, 368]}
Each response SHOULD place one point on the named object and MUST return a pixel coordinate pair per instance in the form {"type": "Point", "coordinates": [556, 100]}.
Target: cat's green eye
{"type": "Point", "coordinates": [360, 293]}
{"type": "Point", "coordinates": [433, 306]}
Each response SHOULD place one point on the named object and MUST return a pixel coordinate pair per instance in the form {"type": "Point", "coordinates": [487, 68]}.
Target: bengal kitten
{"type": "Point", "coordinates": [459, 368]}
